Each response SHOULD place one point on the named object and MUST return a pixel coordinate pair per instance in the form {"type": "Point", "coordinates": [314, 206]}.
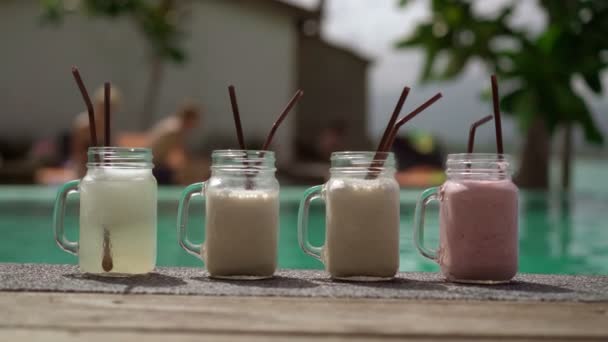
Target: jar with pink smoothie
{"type": "Point", "coordinates": [478, 220]}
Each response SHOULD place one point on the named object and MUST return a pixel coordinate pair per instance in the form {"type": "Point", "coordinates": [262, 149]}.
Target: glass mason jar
{"type": "Point", "coordinates": [362, 217]}
{"type": "Point", "coordinates": [241, 215]}
{"type": "Point", "coordinates": [478, 215]}
{"type": "Point", "coordinates": [118, 200]}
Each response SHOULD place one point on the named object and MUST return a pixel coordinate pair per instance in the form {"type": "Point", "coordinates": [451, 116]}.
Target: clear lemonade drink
{"type": "Point", "coordinates": [121, 204]}
{"type": "Point", "coordinates": [118, 205]}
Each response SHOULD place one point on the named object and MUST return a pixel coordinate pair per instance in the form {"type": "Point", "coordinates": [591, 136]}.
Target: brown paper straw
{"type": "Point", "coordinates": [87, 101]}
{"type": "Point", "coordinates": [237, 117]}
{"type": "Point", "coordinates": [497, 123]}
{"type": "Point", "coordinates": [393, 119]}
{"type": "Point", "coordinates": [296, 97]}
{"type": "Point", "coordinates": [108, 125]}
{"type": "Point", "coordinates": [378, 163]}
{"type": "Point", "coordinates": [408, 117]}
{"type": "Point", "coordinates": [473, 129]}
{"type": "Point", "coordinates": [106, 262]}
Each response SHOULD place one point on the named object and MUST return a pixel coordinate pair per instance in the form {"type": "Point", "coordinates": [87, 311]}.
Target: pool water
{"type": "Point", "coordinates": [561, 234]}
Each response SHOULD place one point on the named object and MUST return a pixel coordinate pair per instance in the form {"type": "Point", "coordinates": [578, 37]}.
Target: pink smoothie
{"type": "Point", "coordinates": [478, 230]}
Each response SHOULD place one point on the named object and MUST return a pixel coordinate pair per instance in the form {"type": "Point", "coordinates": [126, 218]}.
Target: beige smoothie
{"type": "Point", "coordinates": [478, 230]}
{"type": "Point", "coordinates": [362, 234]}
{"type": "Point", "coordinates": [241, 233]}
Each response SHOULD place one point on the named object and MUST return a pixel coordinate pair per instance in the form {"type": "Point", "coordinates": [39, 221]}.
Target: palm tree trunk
{"type": "Point", "coordinates": [534, 169]}
{"type": "Point", "coordinates": [567, 157]}
{"type": "Point", "coordinates": [157, 68]}
{"type": "Point", "coordinates": [152, 92]}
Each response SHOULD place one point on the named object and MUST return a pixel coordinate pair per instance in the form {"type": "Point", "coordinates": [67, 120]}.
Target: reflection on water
{"type": "Point", "coordinates": [563, 233]}
{"type": "Point", "coordinates": [559, 233]}
{"type": "Point", "coordinates": [540, 231]}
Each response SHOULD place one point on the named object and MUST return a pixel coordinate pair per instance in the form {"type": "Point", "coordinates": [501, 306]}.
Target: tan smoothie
{"type": "Point", "coordinates": [362, 234]}
{"type": "Point", "coordinates": [241, 233]}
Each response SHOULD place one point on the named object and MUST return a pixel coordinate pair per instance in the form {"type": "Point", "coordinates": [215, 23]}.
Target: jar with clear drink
{"type": "Point", "coordinates": [118, 206]}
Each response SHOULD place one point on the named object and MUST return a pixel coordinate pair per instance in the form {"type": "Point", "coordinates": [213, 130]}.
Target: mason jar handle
{"type": "Point", "coordinates": [426, 197]}
{"type": "Point", "coordinates": [310, 195]}
{"type": "Point", "coordinates": [196, 189]}
{"type": "Point", "coordinates": [59, 216]}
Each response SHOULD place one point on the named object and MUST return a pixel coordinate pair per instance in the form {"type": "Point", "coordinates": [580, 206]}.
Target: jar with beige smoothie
{"type": "Point", "coordinates": [362, 217]}
{"type": "Point", "coordinates": [241, 215]}
{"type": "Point", "coordinates": [478, 220]}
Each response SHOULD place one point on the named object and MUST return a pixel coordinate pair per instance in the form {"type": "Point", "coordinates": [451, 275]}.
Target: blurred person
{"type": "Point", "coordinates": [168, 141]}
{"type": "Point", "coordinates": [331, 139]}
{"type": "Point", "coordinates": [80, 139]}
{"type": "Point", "coordinates": [313, 156]}
{"type": "Point", "coordinates": [419, 161]}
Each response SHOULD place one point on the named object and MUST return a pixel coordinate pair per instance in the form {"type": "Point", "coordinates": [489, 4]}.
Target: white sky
{"type": "Point", "coordinates": [372, 28]}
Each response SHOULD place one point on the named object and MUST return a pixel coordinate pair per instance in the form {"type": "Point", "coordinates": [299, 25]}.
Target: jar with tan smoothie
{"type": "Point", "coordinates": [362, 217]}
{"type": "Point", "coordinates": [241, 215]}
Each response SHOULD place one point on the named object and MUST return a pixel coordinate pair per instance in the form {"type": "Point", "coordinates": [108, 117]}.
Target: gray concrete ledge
{"type": "Point", "coordinates": [302, 283]}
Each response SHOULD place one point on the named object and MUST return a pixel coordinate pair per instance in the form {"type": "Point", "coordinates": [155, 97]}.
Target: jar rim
{"type": "Point", "coordinates": [493, 166]}
{"type": "Point", "coordinates": [363, 158]}
{"type": "Point", "coordinates": [346, 154]}
{"type": "Point", "coordinates": [119, 157]}
{"type": "Point", "coordinates": [243, 161]}
{"type": "Point", "coordinates": [230, 152]}
{"type": "Point", "coordinates": [119, 149]}
{"type": "Point", "coordinates": [478, 156]}
{"type": "Point", "coordinates": [359, 162]}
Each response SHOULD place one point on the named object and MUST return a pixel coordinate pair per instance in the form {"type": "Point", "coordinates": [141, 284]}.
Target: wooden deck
{"type": "Point", "coordinates": [31, 316]}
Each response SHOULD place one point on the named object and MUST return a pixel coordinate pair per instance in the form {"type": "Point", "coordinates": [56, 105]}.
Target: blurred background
{"type": "Point", "coordinates": [352, 59]}
{"type": "Point", "coordinates": [171, 62]}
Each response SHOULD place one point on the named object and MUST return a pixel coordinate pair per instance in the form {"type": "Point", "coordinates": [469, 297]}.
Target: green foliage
{"type": "Point", "coordinates": [155, 19]}
{"type": "Point", "coordinates": [538, 69]}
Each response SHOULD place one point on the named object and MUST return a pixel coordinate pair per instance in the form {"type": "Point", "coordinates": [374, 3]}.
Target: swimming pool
{"type": "Point", "coordinates": [561, 234]}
